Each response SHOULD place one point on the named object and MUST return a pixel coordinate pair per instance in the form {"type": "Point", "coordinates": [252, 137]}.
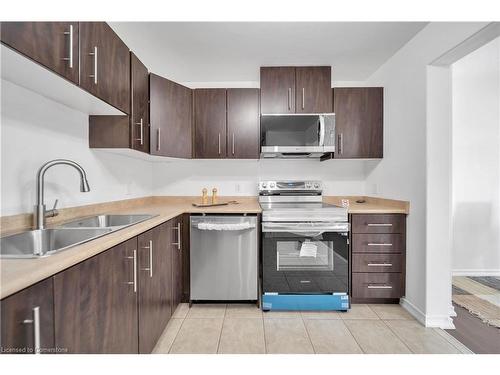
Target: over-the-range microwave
{"type": "Point", "coordinates": [301, 135]}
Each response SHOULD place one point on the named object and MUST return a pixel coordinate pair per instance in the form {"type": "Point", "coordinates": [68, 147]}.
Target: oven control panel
{"type": "Point", "coordinates": [290, 185]}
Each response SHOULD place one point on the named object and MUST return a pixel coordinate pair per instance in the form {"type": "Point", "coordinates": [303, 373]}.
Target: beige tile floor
{"type": "Point", "coordinates": [244, 329]}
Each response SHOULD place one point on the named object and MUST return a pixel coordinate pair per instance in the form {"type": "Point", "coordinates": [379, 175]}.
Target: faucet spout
{"type": "Point", "coordinates": [40, 212]}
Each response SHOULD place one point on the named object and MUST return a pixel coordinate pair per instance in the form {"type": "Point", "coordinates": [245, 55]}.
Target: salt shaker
{"type": "Point", "coordinates": [214, 195]}
{"type": "Point", "coordinates": [204, 198]}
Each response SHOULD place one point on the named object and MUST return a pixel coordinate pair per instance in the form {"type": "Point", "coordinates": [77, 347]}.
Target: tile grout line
{"type": "Point", "coordinates": [395, 334]}
{"type": "Point", "coordinates": [307, 333]}
{"type": "Point", "coordinates": [221, 328]}
{"type": "Point", "coordinates": [264, 331]}
{"type": "Point", "coordinates": [177, 333]}
{"type": "Point", "coordinates": [354, 337]}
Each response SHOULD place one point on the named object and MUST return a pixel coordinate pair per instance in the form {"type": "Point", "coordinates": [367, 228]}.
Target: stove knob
{"type": "Point", "coordinates": [308, 185]}
{"type": "Point", "coordinates": [264, 185]}
{"type": "Point", "coordinates": [316, 185]}
{"type": "Point", "coordinates": [272, 185]}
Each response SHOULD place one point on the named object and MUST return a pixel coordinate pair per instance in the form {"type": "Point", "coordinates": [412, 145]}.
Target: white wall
{"type": "Point", "coordinates": [476, 162]}
{"type": "Point", "coordinates": [402, 173]}
{"type": "Point", "coordinates": [239, 177]}
{"type": "Point", "coordinates": [34, 130]}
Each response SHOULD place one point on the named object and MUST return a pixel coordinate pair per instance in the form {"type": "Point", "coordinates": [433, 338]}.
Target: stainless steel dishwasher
{"type": "Point", "coordinates": [224, 258]}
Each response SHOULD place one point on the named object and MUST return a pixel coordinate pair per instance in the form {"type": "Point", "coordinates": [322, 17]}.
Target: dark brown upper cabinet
{"type": "Point", "coordinates": [171, 119]}
{"type": "Point", "coordinates": [104, 64]}
{"type": "Point", "coordinates": [359, 122]}
{"type": "Point", "coordinates": [96, 303]}
{"type": "Point", "coordinates": [313, 87]}
{"type": "Point", "coordinates": [277, 89]}
{"type": "Point", "coordinates": [26, 315]}
{"type": "Point", "coordinates": [243, 123]}
{"type": "Point", "coordinates": [295, 89]}
{"type": "Point", "coordinates": [155, 284]}
{"type": "Point", "coordinates": [139, 105]}
{"type": "Point", "coordinates": [210, 123]}
{"type": "Point", "coordinates": [51, 44]}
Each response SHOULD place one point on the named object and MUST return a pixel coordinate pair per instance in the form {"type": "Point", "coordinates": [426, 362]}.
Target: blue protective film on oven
{"type": "Point", "coordinates": [305, 302]}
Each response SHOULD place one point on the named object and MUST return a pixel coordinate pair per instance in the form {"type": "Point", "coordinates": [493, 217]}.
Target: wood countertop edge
{"type": "Point", "coordinates": [27, 273]}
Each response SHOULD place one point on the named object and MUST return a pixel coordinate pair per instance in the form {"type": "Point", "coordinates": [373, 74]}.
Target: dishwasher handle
{"type": "Point", "coordinates": [208, 225]}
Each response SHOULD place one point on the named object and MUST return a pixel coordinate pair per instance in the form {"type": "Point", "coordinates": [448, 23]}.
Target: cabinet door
{"type": "Point", "coordinates": [96, 303]}
{"type": "Point", "coordinates": [170, 110]}
{"type": "Point", "coordinates": [52, 44]}
{"type": "Point", "coordinates": [105, 64]}
{"type": "Point", "coordinates": [210, 123]}
{"type": "Point", "coordinates": [277, 89]}
{"type": "Point", "coordinates": [359, 122]}
{"type": "Point", "coordinates": [243, 123]}
{"type": "Point", "coordinates": [139, 95]}
{"type": "Point", "coordinates": [313, 89]}
{"type": "Point", "coordinates": [25, 313]}
{"type": "Point", "coordinates": [155, 285]}
{"type": "Point", "coordinates": [177, 264]}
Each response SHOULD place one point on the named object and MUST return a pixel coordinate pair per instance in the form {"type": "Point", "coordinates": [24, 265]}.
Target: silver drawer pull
{"type": "Point", "coordinates": [379, 224]}
{"type": "Point", "coordinates": [36, 328]}
{"type": "Point", "coordinates": [305, 281]}
{"type": "Point", "coordinates": [379, 244]}
{"type": "Point", "coordinates": [379, 264]}
{"type": "Point", "coordinates": [379, 287]}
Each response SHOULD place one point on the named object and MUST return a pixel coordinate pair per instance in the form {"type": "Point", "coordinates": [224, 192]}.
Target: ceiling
{"type": "Point", "coordinates": [234, 51]}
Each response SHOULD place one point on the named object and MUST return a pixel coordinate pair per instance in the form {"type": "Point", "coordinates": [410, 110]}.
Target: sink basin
{"type": "Point", "coordinates": [39, 243]}
{"type": "Point", "coordinates": [106, 221]}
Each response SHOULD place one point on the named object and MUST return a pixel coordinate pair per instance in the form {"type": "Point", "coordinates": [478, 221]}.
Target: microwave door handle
{"type": "Point", "coordinates": [322, 130]}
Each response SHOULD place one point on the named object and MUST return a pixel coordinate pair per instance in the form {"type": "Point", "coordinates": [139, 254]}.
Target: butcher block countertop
{"type": "Point", "coordinates": [17, 274]}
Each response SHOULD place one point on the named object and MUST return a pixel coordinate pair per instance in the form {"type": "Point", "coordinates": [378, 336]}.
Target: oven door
{"type": "Point", "coordinates": [305, 258]}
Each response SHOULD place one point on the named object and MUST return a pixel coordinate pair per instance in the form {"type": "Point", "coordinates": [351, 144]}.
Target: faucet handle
{"type": "Point", "coordinates": [53, 212]}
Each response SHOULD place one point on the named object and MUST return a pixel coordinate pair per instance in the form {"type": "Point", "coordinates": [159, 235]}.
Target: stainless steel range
{"type": "Point", "coordinates": [305, 248]}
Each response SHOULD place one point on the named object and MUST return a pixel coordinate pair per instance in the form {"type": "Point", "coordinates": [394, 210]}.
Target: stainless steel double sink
{"type": "Point", "coordinates": [45, 242]}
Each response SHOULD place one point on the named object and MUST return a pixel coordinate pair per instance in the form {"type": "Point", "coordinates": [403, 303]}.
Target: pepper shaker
{"type": "Point", "coordinates": [204, 198]}
{"type": "Point", "coordinates": [214, 196]}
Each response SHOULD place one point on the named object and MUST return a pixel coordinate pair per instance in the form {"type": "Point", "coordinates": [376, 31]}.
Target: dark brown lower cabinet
{"type": "Point", "coordinates": [378, 252]}
{"type": "Point", "coordinates": [95, 303]}
{"type": "Point", "coordinates": [26, 315]}
{"type": "Point", "coordinates": [155, 285]}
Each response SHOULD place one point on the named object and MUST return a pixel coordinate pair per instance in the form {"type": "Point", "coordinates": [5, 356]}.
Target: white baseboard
{"type": "Point", "coordinates": [476, 272]}
{"type": "Point", "coordinates": [437, 321]}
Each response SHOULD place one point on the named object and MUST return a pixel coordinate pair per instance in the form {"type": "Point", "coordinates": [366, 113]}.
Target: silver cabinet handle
{"type": "Point", "coordinates": [289, 98]}
{"type": "Point", "coordinates": [303, 98]}
{"type": "Point", "coordinates": [95, 65]}
{"type": "Point", "coordinates": [70, 57]}
{"type": "Point", "coordinates": [150, 268]}
{"type": "Point", "coordinates": [341, 143]}
{"type": "Point", "coordinates": [379, 224]}
{"type": "Point", "coordinates": [233, 143]}
{"type": "Point", "coordinates": [158, 143]}
{"type": "Point", "coordinates": [277, 261]}
{"type": "Point", "coordinates": [379, 287]}
{"type": "Point", "coordinates": [141, 138]}
{"type": "Point", "coordinates": [379, 264]}
{"type": "Point", "coordinates": [134, 282]}
{"type": "Point", "coordinates": [219, 143]}
{"type": "Point", "coordinates": [380, 244]}
{"type": "Point", "coordinates": [36, 328]}
{"type": "Point", "coordinates": [178, 229]}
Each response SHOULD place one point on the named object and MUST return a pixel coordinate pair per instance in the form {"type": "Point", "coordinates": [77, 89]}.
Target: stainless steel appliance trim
{"type": "Point", "coordinates": [36, 328]}
{"type": "Point", "coordinates": [283, 198]}
{"type": "Point", "coordinates": [70, 36]}
{"type": "Point", "coordinates": [299, 114]}
{"type": "Point", "coordinates": [295, 149]}
{"type": "Point", "coordinates": [304, 227]}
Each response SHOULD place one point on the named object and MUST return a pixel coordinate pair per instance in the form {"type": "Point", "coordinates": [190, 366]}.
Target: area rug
{"type": "Point", "coordinates": [480, 296]}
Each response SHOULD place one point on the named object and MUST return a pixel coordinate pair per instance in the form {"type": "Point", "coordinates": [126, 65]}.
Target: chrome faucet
{"type": "Point", "coordinates": [40, 212]}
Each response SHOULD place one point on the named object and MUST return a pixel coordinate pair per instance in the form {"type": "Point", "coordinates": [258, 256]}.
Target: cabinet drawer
{"type": "Point", "coordinates": [377, 285]}
{"type": "Point", "coordinates": [378, 243]}
{"type": "Point", "coordinates": [376, 263]}
{"type": "Point", "coordinates": [378, 223]}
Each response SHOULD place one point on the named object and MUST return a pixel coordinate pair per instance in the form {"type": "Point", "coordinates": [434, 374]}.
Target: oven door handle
{"type": "Point", "coordinates": [304, 229]}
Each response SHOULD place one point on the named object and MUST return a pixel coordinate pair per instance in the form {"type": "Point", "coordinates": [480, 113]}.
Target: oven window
{"type": "Point", "coordinates": [304, 255]}
{"type": "Point", "coordinates": [290, 130]}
